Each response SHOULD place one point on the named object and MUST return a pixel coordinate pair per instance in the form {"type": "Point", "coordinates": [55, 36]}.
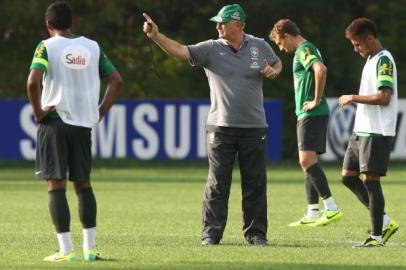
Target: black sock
{"type": "Point", "coordinates": [319, 180]}
{"type": "Point", "coordinates": [356, 185]}
{"type": "Point", "coordinates": [311, 192]}
{"type": "Point", "coordinates": [376, 205]}
{"type": "Point", "coordinates": [87, 207]}
{"type": "Point", "coordinates": [59, 210]}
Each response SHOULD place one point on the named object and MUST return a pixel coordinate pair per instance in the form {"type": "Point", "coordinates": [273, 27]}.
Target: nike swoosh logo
{"type": "Point", "coordinates": [38, 172]}
{"type": "Point", "coordinates": [330, 217]}
{"type": "Point", "coordinates": [308, 222]}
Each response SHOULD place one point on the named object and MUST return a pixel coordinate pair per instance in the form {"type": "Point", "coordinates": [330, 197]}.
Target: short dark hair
{"type": "Point", "coordinates": [59, 15]}
{"type": "Point", "coordinates": [284, 26]}
{"type": "Point", "coordinates": [361, 28]}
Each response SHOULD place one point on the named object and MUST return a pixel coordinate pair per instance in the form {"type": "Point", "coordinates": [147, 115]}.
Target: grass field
{"type": "Point", "coordinates": [149, 217]}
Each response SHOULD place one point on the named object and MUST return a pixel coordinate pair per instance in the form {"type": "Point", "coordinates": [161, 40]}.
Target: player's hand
{"type": "Point", "coordinates": [268, 71]}
{"type": "Point", "coordinates": [344, 100]}
{"type": "Point", "coordinates": [309, 105]}
{"type": "Point", "coordinates": [149, 28]}
{"type": "Point", "coordinates": [39, 116]}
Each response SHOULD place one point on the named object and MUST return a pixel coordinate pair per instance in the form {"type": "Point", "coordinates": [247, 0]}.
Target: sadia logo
{"type": "Point", "coordinates": [340, 128]}
{"type": "Point", "coordinates": [76, 57]}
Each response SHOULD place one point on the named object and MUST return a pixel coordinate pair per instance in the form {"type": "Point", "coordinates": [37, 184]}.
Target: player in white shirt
{"type": "Point", "coordinates": [66, 108]}
{"type": "Point", "coordinates": [369, 148]}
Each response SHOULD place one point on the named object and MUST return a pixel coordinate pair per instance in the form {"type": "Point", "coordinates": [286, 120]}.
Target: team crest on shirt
{"type": "Point", "coordinates": [386, 69]}
{"type": "Point", "coordinates": [254, 52]}
{"type": "Point", "coordinates": [254, 57]}
{"type": "Point", "coordinates": [304, 54]}
{"type": "Point", "coordinates": [76, 57]}
{"type": "Point", "coordinates": [40, 51]}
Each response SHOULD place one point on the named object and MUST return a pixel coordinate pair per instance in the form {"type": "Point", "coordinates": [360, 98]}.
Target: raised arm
{"type": "Point", "coordinates": [171, 47]}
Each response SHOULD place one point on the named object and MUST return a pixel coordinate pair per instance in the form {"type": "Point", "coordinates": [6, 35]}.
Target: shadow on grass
{"type": "Point", "coordinates": [256, 266]}
{"type": "Point", "coordinates": [224, 265]}
{"type": "Point", "coordinates": [164, 179]}
{"type": "Point", "coordinates": [175, 164]}
{"type": "Point", "coordinates": [180, 171]}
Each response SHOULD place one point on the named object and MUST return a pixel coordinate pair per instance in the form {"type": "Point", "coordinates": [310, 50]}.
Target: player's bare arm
{"type": "Point", "coordinates": [171, 47]}
{"type": "Point", "coordinates": [34, 95]}
{"type": "Point", "coordinates": [320, 75]}
{"type": "Point", "coordinates": [113, 86]}
{"type": "Point", "coordinates": [271, 72]}
{"type": "Point", "coordinates": [382, 97]}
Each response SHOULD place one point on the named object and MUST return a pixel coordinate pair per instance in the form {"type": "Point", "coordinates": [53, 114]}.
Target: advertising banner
{"type": "Point", "coordinates": [148, 129]}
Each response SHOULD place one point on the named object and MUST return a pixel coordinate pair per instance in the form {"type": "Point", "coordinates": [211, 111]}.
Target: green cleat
{"type": "Point", "coordinates": [304, 221]}
{"type": "Point", "coordinates": [328, 217]}
{"type": "Point", "coordinates": [389, 230]}
{"type": "Point", "coordinates": [91, 255]}
{"type": "Point", "coordinates": [369, 243]}
{"type": "Point", "coordinates": [60, 257]}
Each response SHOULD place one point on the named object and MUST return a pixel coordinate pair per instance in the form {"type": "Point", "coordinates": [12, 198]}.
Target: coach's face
{"type": "Point", "coordinates": [362, 46]}
{"type": "Point", "coordinates": [229, 30]}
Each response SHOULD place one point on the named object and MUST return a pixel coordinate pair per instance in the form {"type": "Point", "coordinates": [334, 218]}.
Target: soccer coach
{"type": "Point", "coordinates": [235, 65]}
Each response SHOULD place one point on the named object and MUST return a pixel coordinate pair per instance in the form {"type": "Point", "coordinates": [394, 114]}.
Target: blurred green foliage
{"type": "Point", "coordinates": [148, 72]}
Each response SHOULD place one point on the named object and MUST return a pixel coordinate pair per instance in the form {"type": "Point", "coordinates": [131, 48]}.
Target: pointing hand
{"type": "Point", "coordinates": [149, 27]}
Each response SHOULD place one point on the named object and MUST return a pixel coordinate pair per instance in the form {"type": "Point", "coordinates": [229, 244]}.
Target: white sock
{"type": "Point", "coordinates": [377, 237]}
{"type": "Point", "coordinates": [65, 242]}
{"type": "Point", "coordinates": [386, 220]}
{"type": "Point", "coordinates": [330, 204]}
{"type": "Point", "coordinates": [89, 238]}
{"type": "Point", "coordinates": [313, 211]}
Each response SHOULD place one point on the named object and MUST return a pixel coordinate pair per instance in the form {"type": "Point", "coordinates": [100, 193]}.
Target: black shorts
{"type": "Point", "coordinates": [368, 154]}
{"type": "Point", "coordinates": [62, 147]}
{"type": "Point", "coordinates": [311, 133]}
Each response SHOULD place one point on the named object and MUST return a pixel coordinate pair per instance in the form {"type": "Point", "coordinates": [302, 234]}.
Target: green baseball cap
{"type": "Point", "coordinates": [230, 12]}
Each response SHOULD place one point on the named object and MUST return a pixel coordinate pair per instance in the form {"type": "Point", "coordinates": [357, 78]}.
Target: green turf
{"type": "Point", "coordinates": [150, 218]}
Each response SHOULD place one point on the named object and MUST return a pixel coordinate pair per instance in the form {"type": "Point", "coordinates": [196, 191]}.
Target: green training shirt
{"type": "Point", "coordinates": [305, 56]}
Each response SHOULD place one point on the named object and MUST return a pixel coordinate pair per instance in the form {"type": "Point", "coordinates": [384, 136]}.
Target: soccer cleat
{"type": "Point", "coordinates": [389, 230]}
{"type": "Point", "coordinates": [369, 243]}
{"type": "Point", "coordinates": [328, 217]}
{"type": "Point", "coordinates": [91, 255]}
{"type": "Point", "coordinates": [304, 221]}
{"type": "Point", "coordinates": [258, 241]}
{"type": "Point", "coordinates": [60, 257]}
{"type": "Point", "coordinates": [209, 242]}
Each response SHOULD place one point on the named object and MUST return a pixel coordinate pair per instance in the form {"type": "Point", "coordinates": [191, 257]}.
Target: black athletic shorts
{"type": "Point", "coordinates": [61, 148]}
{"type": "Point", "coordinates": [311, 133]}
{"type": "Point", "coordinates": [368, 154]}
